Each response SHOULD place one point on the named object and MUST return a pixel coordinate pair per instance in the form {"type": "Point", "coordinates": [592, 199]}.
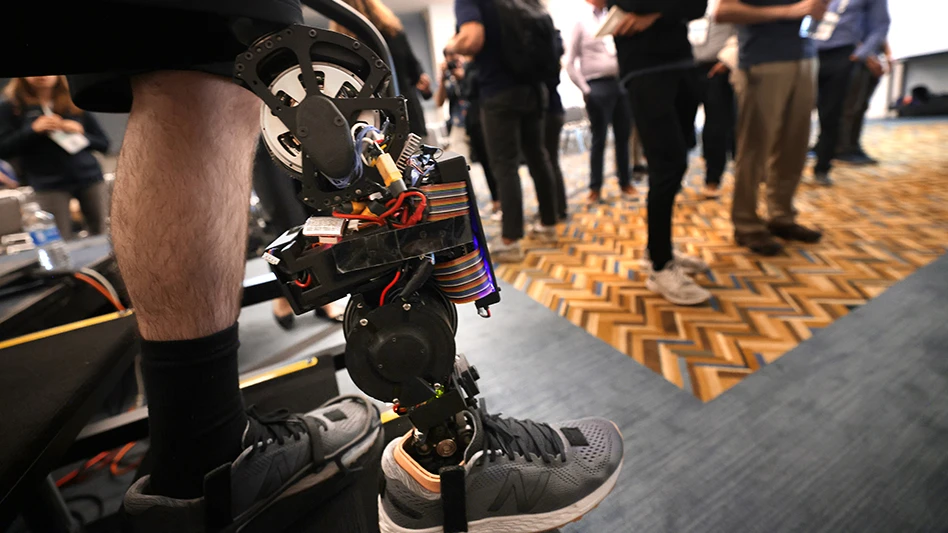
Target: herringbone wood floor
{"type": "Point", "coordinates": [881, 223]}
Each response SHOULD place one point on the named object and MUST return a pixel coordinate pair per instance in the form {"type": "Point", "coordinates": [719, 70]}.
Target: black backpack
{"type": "Point", "coordinates": [529, 40]}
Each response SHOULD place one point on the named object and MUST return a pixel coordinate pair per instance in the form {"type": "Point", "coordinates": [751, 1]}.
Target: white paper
{"type": "Point", "coordinates": [610, 43]}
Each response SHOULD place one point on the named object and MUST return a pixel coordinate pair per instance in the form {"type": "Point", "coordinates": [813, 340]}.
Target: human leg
{"type": "Point", "coordinates": [553, 128]}
{"type": "Point", "coordinates": [56, 203]}
{"type": "Point", "coordinates": [501, 122]}
{"type": "Point", "coordinates": [789, 156]}
{"type": "Point", "coordinates": [599, 113]}
{"type": "Point", "coordinates": [92, 200]}
{"type": "Point", "coordinates": [718, 113]}
{"type": "Point", "coordinates": [622, 130]}
{"type": "Point", "coordinates": [479, 150]}
{"type": "Point", "coordinates": [532, 133]}
{"type": "Point", "coordinates": [835, 73]}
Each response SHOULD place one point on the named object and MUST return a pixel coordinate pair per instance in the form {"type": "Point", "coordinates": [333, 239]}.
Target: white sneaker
{"type": "Point", "coordinates": [542, 233]}
{"type": "Point", "coordinates": [505, 253]}
{"type": "Point", "coordinates": [676, 287]}
{"type": "Point", "coordinates": [497, 216]}
{"type": "Point", "coordinates": [690, 264]}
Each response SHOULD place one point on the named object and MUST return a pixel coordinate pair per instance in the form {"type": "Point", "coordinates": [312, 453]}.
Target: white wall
{"type": "Point", "coordinates": [565, 13]}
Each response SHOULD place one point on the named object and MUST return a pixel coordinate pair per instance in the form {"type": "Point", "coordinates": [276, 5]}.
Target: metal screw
{"type": "Point", "coordinates": [248, 55]}
{"type": "Point", "coordinates": [437, 386]}
{"type": "Point", "coordinates": [446, 448]}
{"type": "Point", "coordinates": [312, 33]}
{"type": "Point", "coordinates": [363, 322]}
{"type": "Point", "coordinates": [268, 44]}
{"type": "Point", "coordinates": [338, 121]}
{"type": "Point", "coordinates": [259, 49]}
{"type": "Point", "coordinates": [337, 198]}
{"type": "Point", "coordinates": [240, 67]}
{"type": "Point", "coordinates": [380, 367]}
{"type": "Point", "coordinates": [358, 191]}
{"type": "Point", "coordinates": [305, 199]}
{"type": "Point", "coordinates": [379, 63]}
{"type": "Point", "coordinates": [407, 307]}
{"type": "Point", "coordinates": [359, 306]}
{"type": "Point", "coordinates": [356, 45]}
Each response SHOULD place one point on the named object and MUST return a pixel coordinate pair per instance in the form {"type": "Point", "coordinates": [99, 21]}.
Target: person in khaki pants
{"type": "Point", "coordinates": [776, 89]}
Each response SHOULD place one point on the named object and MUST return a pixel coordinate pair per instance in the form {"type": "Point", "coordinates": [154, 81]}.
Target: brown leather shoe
{"type": "Point", "coordinates": [594, 197]}
{"type": "Point", "coordinates": [760, 242]}
{"type": "Point", "coordinates": [795, 232]}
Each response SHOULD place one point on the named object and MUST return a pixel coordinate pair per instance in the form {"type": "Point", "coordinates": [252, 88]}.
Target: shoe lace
{"type": "Point", "coordinates": [275, 426]}
{"type": "Point", "coordinates": [511, 437]}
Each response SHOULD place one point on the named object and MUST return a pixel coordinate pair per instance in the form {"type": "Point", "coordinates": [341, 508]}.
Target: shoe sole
{"type": "Point", "coordinates": [650, 285]}
{"type": "Point", "coordinates": [519, 523]}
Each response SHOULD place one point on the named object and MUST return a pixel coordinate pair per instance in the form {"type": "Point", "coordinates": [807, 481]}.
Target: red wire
{"type": "Point", "coordinates": [86, 466]}
{"type": "Point", "coordinates": [389, 287]}
{"type": "Point", "coordinates": [115, 468]}
{"type": "Point", "coordinates": [304, 284]}
{"type": "Point", "coordinates": [102, 290]}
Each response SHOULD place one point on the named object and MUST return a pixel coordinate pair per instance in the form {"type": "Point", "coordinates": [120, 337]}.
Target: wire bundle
{"type": "Point", "coordinates": [464, 279]}
{"type": "Point", "coordinates": [447, 200]}
{"type": "Point", "coordinates": [399, 214]}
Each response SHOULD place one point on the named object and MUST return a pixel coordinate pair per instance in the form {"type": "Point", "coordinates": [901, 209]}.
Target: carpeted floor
{"type": "Point", "coordinates": [881, 223]}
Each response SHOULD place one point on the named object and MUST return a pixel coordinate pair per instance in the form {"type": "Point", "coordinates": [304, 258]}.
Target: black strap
{"type": "Point", "coordinates": [453, 499]}
{"type": "Point", "coordinates": [217, 498]}
{"type": "Point", "coordinates": [315, 440]}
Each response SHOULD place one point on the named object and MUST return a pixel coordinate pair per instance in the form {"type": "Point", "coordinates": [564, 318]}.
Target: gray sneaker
{"type": "Point", "coordinates": [290, 465]}
{"type": "Point", "coordinates": [519, 477]}
{"type": "Point", "coordinates": [501, 252]}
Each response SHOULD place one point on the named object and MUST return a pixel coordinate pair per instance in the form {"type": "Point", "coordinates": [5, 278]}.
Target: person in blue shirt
{"type": "Point", "coordinates": [857, 37]}
{"type": "Point", "coordinates": [512, 113]}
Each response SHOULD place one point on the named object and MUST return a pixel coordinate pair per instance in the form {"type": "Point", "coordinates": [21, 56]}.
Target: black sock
{"type": "Point", "coordinates": [195, 411]}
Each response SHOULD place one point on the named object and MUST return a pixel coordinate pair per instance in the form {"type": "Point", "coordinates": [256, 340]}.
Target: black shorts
{"type": "Point", "coordinates": [101, 44]}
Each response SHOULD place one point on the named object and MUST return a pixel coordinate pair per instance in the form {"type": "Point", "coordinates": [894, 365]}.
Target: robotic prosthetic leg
{"type": "Point", "coordinates": [398, 228]}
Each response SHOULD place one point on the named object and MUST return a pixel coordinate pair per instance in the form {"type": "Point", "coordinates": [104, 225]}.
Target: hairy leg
{"type": "Point", "coordinates": [180, 203]}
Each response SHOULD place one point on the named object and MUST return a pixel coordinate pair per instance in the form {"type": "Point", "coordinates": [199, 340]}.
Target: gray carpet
{"type": "Point", "coordinates": [847, 432]}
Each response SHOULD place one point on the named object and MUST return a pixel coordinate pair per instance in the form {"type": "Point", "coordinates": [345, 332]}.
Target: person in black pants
{"type": "Point", "coordinates": [593, 68]}
{"type": "Point", "coordinates": [512, 112]}
{"type": "Point", "coordinates": [860, 31]}
{"type": "Point", "coordinates": [717, 97]}
{"type": "Point", "coordinates": [866, 76]}
{"type": "Point", "coordinates": [655, 56]}
{"type": "Point", "coordinates": [470, 91]}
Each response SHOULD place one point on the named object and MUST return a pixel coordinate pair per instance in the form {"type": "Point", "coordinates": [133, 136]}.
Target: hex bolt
{"type": "Point", "coordinates": [407, 307]}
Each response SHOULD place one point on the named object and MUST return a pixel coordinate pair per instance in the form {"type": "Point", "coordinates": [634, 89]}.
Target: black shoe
{"type": "Point", "coordinates": [796, 232]}
{"type": "Point", "coordinates": [760, 242]}
{"type": "Point", "coordinates": [822, 178]}
{"type": "Point", "coordinates": [291, 464]}
{"type": "Point", "coordinates": [639, 172]}
{"type": "Point", "coordinates": [856, 158]}
{"type": "Point", "coordinates": [286, 322]}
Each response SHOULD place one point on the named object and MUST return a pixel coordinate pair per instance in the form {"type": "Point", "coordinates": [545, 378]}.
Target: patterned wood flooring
{"type": "Point", "coordinates": [881, 223]}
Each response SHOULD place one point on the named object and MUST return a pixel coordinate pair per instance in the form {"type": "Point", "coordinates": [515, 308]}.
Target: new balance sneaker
{"type": "Point", "coordinates": [291, 464]}
{"type": "Point", "coordinates": [690, 264]}
{"type": "Point", "coordinates": [518, 476]}
{"type": "Point", "coordinates": [675, 286]}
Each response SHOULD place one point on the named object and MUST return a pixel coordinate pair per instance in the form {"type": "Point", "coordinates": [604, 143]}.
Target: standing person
{"type": "Point", "coordinates": [553, 123]}
{"type": "Point", "coordinates": [655, 57]}
{"type": "Point", "coordinates": [412, 79]}
{"type": "Point", "coordinates": [475, 133]}
{"type": "Point", "coordinates": [37, 111]}
{"type": "Point", "coordinates": [775, 85]}
{"type": "Point", "coordinates": [593, 67]}
{"type": "Point", "coordinates": [852, 32]}
{"type": "Point", "coordinates": [866, 76]}
{"type": "Point", "coordinates": [512, 112]}
{"type": "Point", "coordinates": [717, 97]}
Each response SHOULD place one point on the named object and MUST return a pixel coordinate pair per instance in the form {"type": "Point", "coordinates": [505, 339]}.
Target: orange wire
{"type": "Point", "coordinates": [98, 286]}
{"type": "Point", "coordinates": [114, 467]}
{"type": "Point", "coordinates": [75, 473]}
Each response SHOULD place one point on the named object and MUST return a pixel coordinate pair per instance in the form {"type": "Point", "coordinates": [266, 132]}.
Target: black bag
{"type": "Point", "coordinates": [529, 40]}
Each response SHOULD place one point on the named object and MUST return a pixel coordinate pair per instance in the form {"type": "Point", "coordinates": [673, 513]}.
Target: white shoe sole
{"type": "Point", "coordinates": [530, 523]}
{"type": "Point", "coordinates": [652, 286]}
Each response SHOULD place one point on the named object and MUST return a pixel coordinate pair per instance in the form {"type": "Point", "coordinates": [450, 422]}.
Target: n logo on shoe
{"type": "Point", "coordinates": [515, 484]}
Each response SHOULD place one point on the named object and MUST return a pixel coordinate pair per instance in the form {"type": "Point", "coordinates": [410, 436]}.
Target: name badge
{"type": "Point", "coordinates": [827, 26]}
{"type": "Point", "coordinates": [698, 31]}
{"type": "Point", "coordinates": [72, 143]}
